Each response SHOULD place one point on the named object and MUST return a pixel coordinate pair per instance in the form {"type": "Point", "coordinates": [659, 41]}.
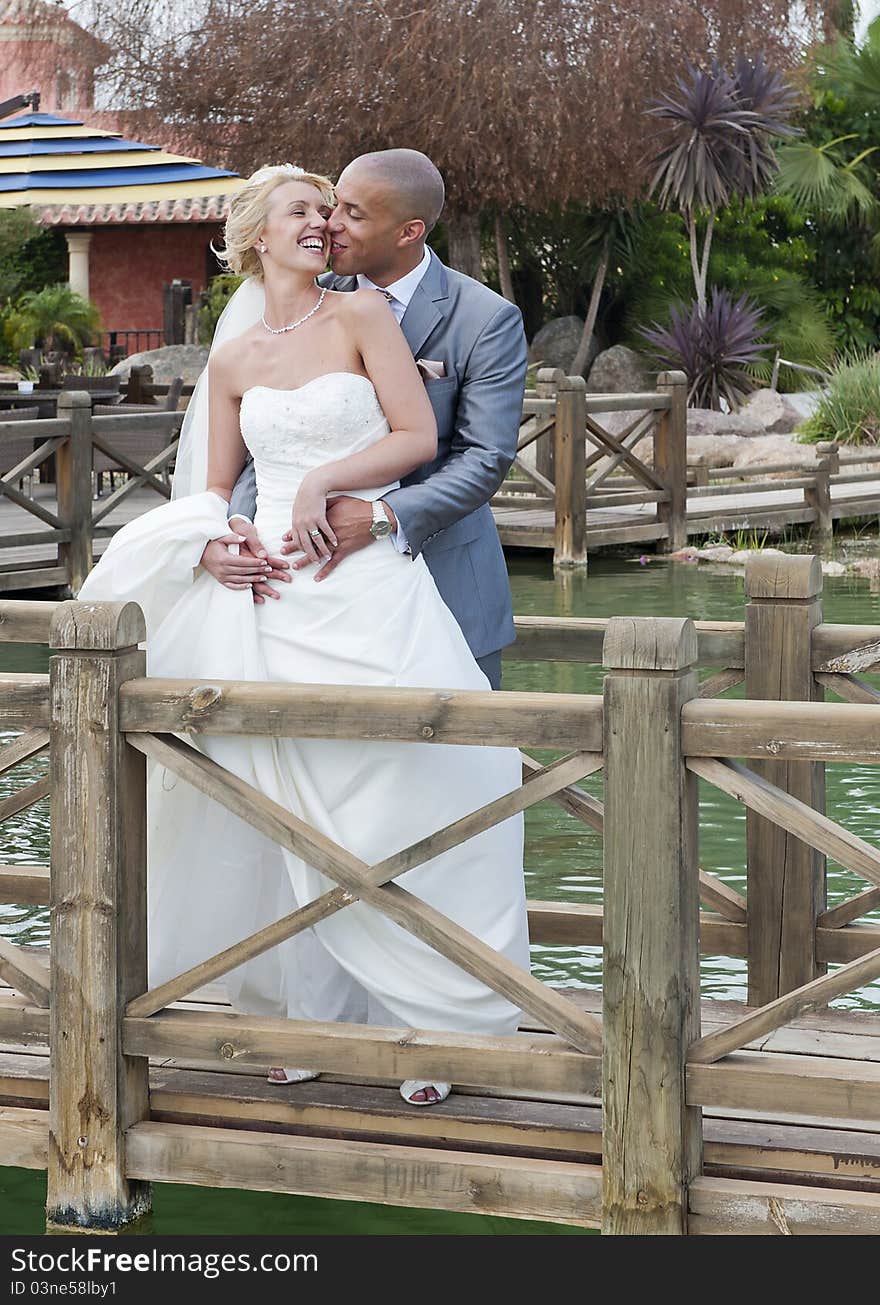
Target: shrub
{"type": "Point", "coordinates": [53, 318]}
{"type": "Point", "coordinates": [214, 299]}
{"type": "Point", "coordinates": [713, 348]}
{"type": "Point", "coordinates": [849, 410]}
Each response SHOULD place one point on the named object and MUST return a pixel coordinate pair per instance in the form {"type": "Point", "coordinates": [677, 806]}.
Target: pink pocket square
{"type": "Point", "coordinates": [431, 370]}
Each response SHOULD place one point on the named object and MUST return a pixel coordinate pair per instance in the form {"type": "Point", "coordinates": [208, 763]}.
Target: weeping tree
{"type": "Point", "coordinates": [522, 105]}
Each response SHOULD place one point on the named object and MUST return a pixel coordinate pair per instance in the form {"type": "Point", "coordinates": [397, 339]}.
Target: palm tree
{"type": "Point", "coordinates": [719, 145]}
{"type": "Point", "coordinates": [819, 179]}
{"type": "Point", "coordinates": [55, 317]}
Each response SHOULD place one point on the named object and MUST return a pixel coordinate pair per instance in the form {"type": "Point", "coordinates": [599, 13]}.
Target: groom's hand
{"type": "Point", "coordinates": [250, 567]}
{"type": "Point", "coordinates": [350, 520]}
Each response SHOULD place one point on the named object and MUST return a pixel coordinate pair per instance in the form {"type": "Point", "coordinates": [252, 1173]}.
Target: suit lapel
{"type": "Point", "coordinates": [427, 306]}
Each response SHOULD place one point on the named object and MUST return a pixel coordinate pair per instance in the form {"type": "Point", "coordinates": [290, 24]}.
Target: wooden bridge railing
{"type": "Point", "coordinates": [74, 518]}
{"type": "Point", "coordinates": [578, 460]}
{"type": "Point", "coordinates": [655, 732]}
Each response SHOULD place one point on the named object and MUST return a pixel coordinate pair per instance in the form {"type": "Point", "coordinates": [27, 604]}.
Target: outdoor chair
{"type": "Point", "coordinates": [15, 448]}
{"type": "Point", "coordinates": [139, 445]}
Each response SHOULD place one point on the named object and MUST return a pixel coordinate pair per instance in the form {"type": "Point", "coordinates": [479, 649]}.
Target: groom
{"type": "Point", "coordinates": [471, 350]}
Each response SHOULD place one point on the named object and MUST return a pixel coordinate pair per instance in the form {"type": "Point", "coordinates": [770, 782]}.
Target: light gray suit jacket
{"type": "Point", "coordinates": [443, 507]}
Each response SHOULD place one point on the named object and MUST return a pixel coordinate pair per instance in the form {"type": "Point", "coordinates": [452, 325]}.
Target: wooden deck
{"type": "Point", "coordinates": [707, 513]}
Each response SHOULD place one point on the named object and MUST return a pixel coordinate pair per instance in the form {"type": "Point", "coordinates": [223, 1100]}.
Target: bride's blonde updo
{"type": "Point", "coordinates": [249, 209]}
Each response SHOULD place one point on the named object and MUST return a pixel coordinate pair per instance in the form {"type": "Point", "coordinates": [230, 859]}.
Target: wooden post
{"type": "Point", "coordinates": [139, 377]}
{"type": "Point", "coordinates": [670, 460]}
{"type": "Point", "coordinates": [570, 540]}
{"type": "Point", "coordinates": [786, 878]}
{"type": "Point", "coordinates": [819, 496]}
{"type": "Point", "coordinates": [547, 382]}
{"type": "Point", "coordinates": [651, 1141]}
{"type": "Point", "coordinates": [74, 484]}
{"type": "Point", "coordinates": [98, 917]}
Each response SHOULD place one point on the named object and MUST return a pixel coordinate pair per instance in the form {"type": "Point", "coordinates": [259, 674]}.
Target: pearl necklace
{"type": "Point", "coordinates": [279, 330]}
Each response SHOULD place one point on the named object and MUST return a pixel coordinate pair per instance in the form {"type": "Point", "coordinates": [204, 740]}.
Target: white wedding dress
{"type": "Point", "coordinates": [377, 620]}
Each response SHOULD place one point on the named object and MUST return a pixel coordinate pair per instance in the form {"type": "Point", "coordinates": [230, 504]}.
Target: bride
{"type": "Point", "coordinates": [323, 391]}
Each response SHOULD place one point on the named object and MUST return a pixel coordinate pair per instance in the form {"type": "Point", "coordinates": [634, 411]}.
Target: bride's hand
{"type": "Point", "coordinates": [310, 528]}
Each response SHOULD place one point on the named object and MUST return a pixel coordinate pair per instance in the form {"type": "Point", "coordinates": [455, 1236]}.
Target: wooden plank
{"type": "Point", "coordinates": [810, 826]}
{"type": "Point", "coordinates": [25, 885]}
{"type": "Point", "coordinates": [580, 925]}
{"type": "Point", "coordinates": [785, 876]}
{"type": "Point", "coordinates": [838, 945]}
{"type": "Point", "coordinates": [580, 639]}
{"type": "Point", "coordinates": [799, 731]}
{"type": "Point", "coordinates": [599, 403]}
{"type": "Point", "coordinates": [24, 798]}
{"type": "Point", "coordinates": [353, 875]}
{"type": "Point", "coordinates": [810, 996]}
{"type": "Point", "coordinates": [538, 720]}
{"type": "Point", "coordinates": [844, 649]}
{"type": "Point", "coordinates": [845, 912]}
{"type": "Point", "coordinates": [22, 1023]}
{"type": "Point", "coordinates": [138, 476]}
{"type": "Point", "coordinates": [607, 442]}
{"type": "Point", "coordinates": [73, 475]}
{"type": "Point", "coordinates": [652, 1141]}
{"type": "Point", "coordinates": [549, 1190]}
{"type": "Point", "coordinates": [24, 973]}
{"type": "Point", "coordinates": [27, 745]}
{"type": "Point", "coordinates": [24, 1137]}
{"type": "Point", "coordinates": [538, 1061]}
{"type": "Point", "coordinates": [98, 916]}
{"type": "Point", "coordinates": [728, 1206]}
{"type": "Point", "coordinates": [777, 1084]}
{"type": "Point", "coordinates": [670, 459]}
{"type": "Point", "coordinates": [849, 688]}
{"type": "Point", "coordinates": [24, 701]}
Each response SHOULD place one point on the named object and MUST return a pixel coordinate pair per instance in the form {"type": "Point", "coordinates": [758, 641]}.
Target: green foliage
{"type": "Point", "coordinates": [215, 297]}
{"type": "Point", "coordinates": [30, 256]}
{"type": "Point", "coordinates": [55, 317]}
{"type": "Point", "coordinates": [849, 410]}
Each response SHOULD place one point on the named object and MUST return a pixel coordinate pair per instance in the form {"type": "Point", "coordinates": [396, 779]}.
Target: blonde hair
{"type": "Point", "coordinates": [249, 208]}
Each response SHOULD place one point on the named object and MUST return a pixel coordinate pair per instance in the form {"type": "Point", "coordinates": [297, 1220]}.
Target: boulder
{"type": "Point", "coordinates": [556, 344]}
{"type": "Point", "coordinates": [705, 421]}
{"type": "Point", "coordinates": [713, 450]}
{"type": "Point", "coordinates": [756, 453]}
{"type": "Point", "coordinates": [619, 370]}
{"type": "Point", "coordinates": [186, 360]}
{"type": "Point", "coordinates": [773, 411]}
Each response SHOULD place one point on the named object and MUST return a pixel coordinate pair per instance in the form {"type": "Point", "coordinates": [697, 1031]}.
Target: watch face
{"type": "Point", "coordinates": [380, 529]}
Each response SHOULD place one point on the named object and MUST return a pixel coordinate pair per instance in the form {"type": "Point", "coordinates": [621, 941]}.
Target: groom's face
{"type": "Point", "coordinates": [365, 230]}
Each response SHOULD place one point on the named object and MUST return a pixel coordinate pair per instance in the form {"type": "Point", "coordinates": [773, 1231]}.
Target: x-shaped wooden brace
{"type": "Point", "coordinates": [372, 884]}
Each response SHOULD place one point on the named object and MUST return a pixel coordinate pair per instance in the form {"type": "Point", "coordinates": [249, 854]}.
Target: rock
{"type": "Point", "coordinates": [618, 370]}
{"type": "Point", "coordinates": [713, 450]}
{"type": "Point", "coordinates": [756, 453]}
{"type": "Point", "coordinates": [186, 360]}
{"type": "Point", "coordinates": [716, 553]}
{"type": "Point", "coordinates": [556, 344]}
{"type": "Point", "coordinates": [833, 568]}
{"type": "Point", "coordinates": [704, 421]}
{"type": "Point", "coordinates": [772, 411]}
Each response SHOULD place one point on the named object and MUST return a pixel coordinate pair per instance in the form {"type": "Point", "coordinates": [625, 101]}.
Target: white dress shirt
{"type": "Point", "coordinates": [398, 294]}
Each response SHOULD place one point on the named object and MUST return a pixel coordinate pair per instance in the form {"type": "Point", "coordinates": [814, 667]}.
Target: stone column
{"type": "Point", "coordinates": [78, 267]}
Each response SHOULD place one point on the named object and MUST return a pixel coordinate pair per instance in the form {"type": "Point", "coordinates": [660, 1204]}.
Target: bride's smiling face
{"type": "Point", "coordinates": [295, 232]}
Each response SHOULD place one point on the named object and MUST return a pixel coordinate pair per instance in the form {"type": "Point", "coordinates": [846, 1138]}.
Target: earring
{"type": "Point", "coordinates": [263, 249]}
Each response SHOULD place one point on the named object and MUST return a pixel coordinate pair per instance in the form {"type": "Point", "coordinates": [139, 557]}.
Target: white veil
{"type": "Point", "coordinates": [191, 465]}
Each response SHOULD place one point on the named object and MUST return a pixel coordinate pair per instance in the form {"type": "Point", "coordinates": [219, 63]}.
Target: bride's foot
{"type": "Point", "coordinates": [278, 1074]}
{"type": "Point", "coordinates": [418, 1092]}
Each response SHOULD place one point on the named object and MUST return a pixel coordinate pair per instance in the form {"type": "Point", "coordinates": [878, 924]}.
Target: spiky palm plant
{"type": "Point", "coordinates": [719, 134]}
{"type": "Point", "coordinates": [55, 318]}
{"type": "Point", "coordinates": [714, 347]}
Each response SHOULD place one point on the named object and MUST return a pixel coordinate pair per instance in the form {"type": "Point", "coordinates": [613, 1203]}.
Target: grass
{"type": "Point", "coordinates": [849, 411]}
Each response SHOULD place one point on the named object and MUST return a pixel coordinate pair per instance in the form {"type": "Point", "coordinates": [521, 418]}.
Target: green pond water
{"type": "Point", "coordinates": [563, 863]}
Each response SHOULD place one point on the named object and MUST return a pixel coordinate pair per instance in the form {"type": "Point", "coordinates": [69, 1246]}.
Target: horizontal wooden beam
{"type": "Point", "coordinates": [24, 1137]}
{"type": "Point", "coordinates": [580, 639]}
{"type": "Point", "coordinates": [781, 731]}
{"type": "Point", "coordinates": [25, 622]}
{"type": "Point", "coordinates": [22, 1023]}
{"type": "Point", "coordinates": [535, 720]}
{"type": "Point", "coordinates": [774, 1083]}
{"type": "Point", "coordinates": [580, 925]}
{"type": "Point", "coordinates": [24, 885]}
{"type": "Point", "coordinates": [730, 1206]}
{"type": "Point", "coordinates": [541, 1062]}
{"type": "Point", "coordinates": [24, 701]}
{"type": "Point", "coordinates": [513, 1187]}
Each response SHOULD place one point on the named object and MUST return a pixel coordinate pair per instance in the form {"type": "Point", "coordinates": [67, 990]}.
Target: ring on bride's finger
{"type": "Point", "coordinates": [315, 533]}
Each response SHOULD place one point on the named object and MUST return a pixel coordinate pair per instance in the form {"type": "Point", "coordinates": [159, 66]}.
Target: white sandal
{"type": "Point", "coordinates": [411, 1086]}
{"type": "Point", "coordinates": [292, 1075]}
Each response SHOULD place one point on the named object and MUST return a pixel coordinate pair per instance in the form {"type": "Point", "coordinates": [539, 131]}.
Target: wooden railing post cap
{"type": "Point", "coordinates": [650, 643]}
{"type": "Point", "coordinates": [671, 378]}
{"type": "Point", "coordinates": [783, 575]}
{"type": "Point", "coordinates": [104, 627]}
{"type": "Point", "coordinates": [74, 399]}
{"type": "Point", "coordinates": [549, 376]}
{"type": "Point", "coordinates": [573, 383]}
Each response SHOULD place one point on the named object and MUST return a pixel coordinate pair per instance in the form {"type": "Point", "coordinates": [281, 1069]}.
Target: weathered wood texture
{"type": "Point", "coordinates": [74, 479]}
{"type": "Point", "coordinates": [785, 877]}
{"type": "Point", "coordinates": [670, 459]}
{"type": "Point", "coordinates": [570, 549]}
{"type": "Point", "coordinates": [731, 1206]}
{"type": "Point", "coordinates": [98, 922]}
{"type": "Point", "coordinates": [652, 1139]}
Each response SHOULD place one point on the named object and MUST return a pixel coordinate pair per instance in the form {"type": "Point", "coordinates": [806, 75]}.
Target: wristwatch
{"type": "Point", "coordinates": [381, 527]}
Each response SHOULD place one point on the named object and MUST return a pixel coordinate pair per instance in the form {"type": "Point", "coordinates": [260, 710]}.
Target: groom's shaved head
{"type": "Point", "coordinates": [410, 182]}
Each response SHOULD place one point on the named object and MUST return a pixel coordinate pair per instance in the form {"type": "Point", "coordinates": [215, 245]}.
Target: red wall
{"type": "Point", "coordinates": [129, 265]}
